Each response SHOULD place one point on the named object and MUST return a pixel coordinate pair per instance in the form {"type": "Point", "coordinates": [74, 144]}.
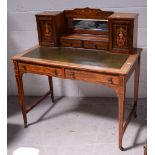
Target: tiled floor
{"type": "Point", "coordinates": [75, 126]}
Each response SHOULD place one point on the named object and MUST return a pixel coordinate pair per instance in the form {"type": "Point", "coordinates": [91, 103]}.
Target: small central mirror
{"type": "Point", "coordinates": [90, 24]}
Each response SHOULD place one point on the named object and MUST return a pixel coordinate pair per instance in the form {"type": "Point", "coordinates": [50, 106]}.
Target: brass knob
{"type": "Point", "coordinates": [55, 72]}
{"type": "Point", "coordinates": [24, 67]}
{"type": "Point", "coordinates": [95, 46]}
{"type": "Point", "coordinates": [110, 80]}
{"type": "Point", "coordinates": [72, 75]}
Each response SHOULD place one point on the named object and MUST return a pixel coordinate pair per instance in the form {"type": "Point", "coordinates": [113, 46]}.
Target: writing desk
{"type": "Point", "coordinates": [97, 66]}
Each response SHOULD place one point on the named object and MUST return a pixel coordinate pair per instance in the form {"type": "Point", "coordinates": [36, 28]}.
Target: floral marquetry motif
{"type": "Point", "coordinates": [46, 31]}
{"type": "Point", "coordinates": [121, 36]}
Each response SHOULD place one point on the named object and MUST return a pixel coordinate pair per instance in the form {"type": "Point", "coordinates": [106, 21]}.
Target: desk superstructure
{"type": "Point", "coordinates": [84, 44]}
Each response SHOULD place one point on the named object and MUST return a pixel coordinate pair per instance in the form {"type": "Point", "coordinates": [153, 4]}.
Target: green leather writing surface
{"type": "Point", "coordinates": [79, 56]}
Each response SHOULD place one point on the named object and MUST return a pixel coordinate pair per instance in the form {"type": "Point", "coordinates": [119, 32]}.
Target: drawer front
{"type": "Point", "coordinates": [71, 43]}
{"type": "Point", "coordinates": [77, 43]}
{"type": "Point", "coordinates": [89, 44]}
{"type": "Point", "coordinates": [65, 43]}
{"type": "Point", "coordinates": [91, 77]}
{"type": "Point", "coordinates": [51, 71]}
{"type": "Point", "coordinates": [102, 45]}
{"type": "Point", "coordinates": [96, 45]}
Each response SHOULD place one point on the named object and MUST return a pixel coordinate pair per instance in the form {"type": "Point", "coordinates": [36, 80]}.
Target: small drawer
{"type": "Point", "coordinates": [66, 43]}
{"type": "Point", "coordinates": [102, 45]}
{"type": "Point", "coordinates": [91, 77]}
{"type": "Point", "coordinates": [77, 43]}
{"type": "Point", "coordinates": [89, 44]}
{"type": "Point", "coordinates": [51, 71]}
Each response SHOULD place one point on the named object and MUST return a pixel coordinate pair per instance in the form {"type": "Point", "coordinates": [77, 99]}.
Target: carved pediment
{"type": "Point", "coordinates": [81, 11]}
{"type": "Point", "coordinates": [88, 13]}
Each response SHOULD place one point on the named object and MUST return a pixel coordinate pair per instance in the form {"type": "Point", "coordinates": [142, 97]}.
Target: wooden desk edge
{"type": "Point", "coordinates": [130, 62]}
{"type": "Point", "coordinates": [15, 57]}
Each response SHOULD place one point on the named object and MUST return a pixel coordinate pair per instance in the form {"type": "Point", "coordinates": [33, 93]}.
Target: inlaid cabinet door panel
{"type": "Point", "coordinates": [46, 32]}
{"type": "Point", "coordinates": [121, 35]}
{"type": "Point", "coordinates": [46, 28]}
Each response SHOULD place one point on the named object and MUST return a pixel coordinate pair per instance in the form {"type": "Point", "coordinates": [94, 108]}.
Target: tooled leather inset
{"type": "Point", "coordinates": [121, 36]}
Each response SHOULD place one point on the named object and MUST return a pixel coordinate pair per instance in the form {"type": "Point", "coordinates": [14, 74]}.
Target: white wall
{"type": "Point", "coordinates": [22, 35]}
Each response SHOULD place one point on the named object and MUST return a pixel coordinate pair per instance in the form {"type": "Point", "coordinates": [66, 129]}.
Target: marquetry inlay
{"type": "Point", "coordinates": [120, 36]}
{"type": "Point", "coordinates": [47, 32]}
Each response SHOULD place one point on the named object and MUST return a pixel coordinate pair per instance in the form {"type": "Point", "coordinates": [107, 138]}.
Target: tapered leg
{"type": "Point", "coordinates": [21, 97]}
{"type": "Point", "coordinates": [51, 87]}
{"type": "Point", "coordinates": [136, 85]}
{"type": "Point", "coordinates": [121, 105]}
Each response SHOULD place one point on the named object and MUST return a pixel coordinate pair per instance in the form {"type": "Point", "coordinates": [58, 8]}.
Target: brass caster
{"type": "Point", "coordinates": [25, 125]}
{"type": "Point", "coordinates": [135, 115]}
{"type": "Point", "coordinates": [121, 148]}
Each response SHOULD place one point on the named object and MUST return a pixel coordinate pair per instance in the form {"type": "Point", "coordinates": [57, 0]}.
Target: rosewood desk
{"type": "Point", "coordinates": [90, 65]}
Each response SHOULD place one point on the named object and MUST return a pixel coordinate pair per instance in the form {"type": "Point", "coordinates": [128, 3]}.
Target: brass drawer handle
{"type": "Point", "coordinates": [96, 46]}
{"type": "Point", "coordinates": [110, 80]}
{"type": "Point", "coordinates": [54, 72]}
{"type": "Point", "coordinates": [24, 67]}
{"type": "Point", "coordinates": [72, 74]}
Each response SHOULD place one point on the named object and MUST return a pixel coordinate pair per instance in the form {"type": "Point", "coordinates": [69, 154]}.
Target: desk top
{"type": "Point", "coordinates": [79, 56]}
{"type": "Point", "coordinates": [89, 59]}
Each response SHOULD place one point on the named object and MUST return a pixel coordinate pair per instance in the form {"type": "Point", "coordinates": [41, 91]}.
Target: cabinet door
{"type": "Point", "coordinates": [121, 35]}
{"type": "Point", "coordinates": [45, 31]}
